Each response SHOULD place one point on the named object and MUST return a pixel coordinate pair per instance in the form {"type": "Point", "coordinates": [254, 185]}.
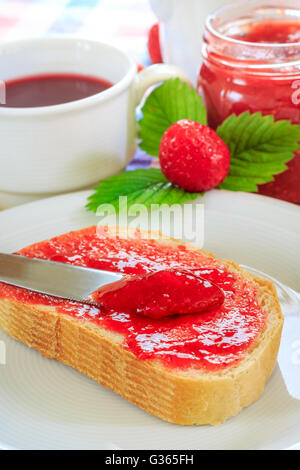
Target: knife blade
{"type": "Point", "coordinates": [56, 279]}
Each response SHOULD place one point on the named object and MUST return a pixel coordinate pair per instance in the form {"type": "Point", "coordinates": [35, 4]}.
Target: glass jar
{"type": "Point", "coordinates": [251, 62]}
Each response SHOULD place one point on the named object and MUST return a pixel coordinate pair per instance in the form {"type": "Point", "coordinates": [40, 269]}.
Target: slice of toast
{"type": "Point", "coordinates": [182, 396]}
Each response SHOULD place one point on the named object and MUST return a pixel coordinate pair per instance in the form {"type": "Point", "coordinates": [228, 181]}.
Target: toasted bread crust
{"type": "Point", "coordinates": [188, 397]}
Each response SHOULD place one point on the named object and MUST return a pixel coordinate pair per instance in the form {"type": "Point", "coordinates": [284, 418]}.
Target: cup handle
{"type": "Point", "coordinates": [156, 74]}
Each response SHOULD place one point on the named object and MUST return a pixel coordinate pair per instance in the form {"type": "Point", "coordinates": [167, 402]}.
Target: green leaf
{"type": "Point", "coordinates": [168, 103]}
{"type": "Point", "coordinates": [140, 187]}
{"type": "Point", "coordinates": [260, 149]}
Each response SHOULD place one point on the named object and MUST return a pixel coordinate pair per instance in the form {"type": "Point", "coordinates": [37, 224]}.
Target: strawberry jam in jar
{"type": "Point", "coordinates": [252, 63]}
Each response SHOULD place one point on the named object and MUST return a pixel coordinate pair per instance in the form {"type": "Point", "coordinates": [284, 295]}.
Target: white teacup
{"type": "Point", "coordinates": [65, 147]}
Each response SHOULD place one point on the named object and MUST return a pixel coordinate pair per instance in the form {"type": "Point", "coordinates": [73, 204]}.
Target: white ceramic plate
{"type": "Point", "coordinates": [46, 405]}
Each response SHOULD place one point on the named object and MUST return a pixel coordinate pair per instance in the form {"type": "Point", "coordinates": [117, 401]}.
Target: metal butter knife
{"type": "Point", "coordinates": [56, 279]}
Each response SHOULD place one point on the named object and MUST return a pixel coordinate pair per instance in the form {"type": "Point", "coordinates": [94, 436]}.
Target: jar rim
{"type": "Point", "coordinates": [209, 26]}
{"type": "Point", "coordinates": [250, 54]}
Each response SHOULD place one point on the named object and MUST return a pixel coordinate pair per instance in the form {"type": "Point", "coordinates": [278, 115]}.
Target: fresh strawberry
{"type": "Point", "coordinates": [193, 156]}
{"type": "Point", "coordinates": [154, 45]}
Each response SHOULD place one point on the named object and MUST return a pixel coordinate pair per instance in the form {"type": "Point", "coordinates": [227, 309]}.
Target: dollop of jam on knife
{"type": "Point", "coordinates": [160, 294]}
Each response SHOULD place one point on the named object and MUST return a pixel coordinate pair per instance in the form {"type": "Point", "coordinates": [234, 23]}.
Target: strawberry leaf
{"type": "Point", "coordinates": [168, 103]}
{"type": "Point", "coordinates": [260, 149]}
{"type": "Point", "coordinates": [140, 187]}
